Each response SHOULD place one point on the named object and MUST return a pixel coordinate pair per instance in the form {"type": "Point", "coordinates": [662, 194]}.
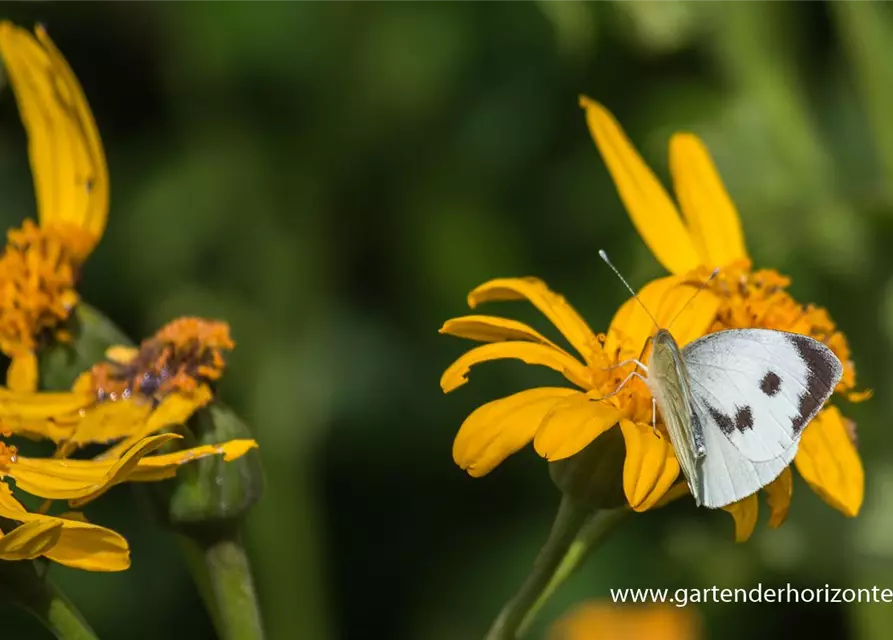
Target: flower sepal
{"type": "Point", "coordinates": [594, 476]}
{"type": "Point", "coordinates": [210, 494]}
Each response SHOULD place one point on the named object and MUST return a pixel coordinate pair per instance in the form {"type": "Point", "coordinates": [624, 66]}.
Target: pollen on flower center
{"type": "Point", "coordinates": [8, 455]}
{"type": "Point", "coordinates": [38, 274]}
{"type": "Point", "coordinates": [181, 356]}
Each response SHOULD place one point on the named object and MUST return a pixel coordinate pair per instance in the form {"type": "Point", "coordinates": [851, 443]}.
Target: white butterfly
{"type": "Point", "coordinates": [736, 402]}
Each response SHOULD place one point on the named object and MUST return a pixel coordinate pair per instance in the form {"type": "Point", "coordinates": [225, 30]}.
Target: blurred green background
{"type": "Point", "coordinates": [333, 178]}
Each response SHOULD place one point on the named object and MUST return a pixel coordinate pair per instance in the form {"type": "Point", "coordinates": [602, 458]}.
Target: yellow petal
{"type": "Point", "coordinates": [159, 467]}
{"type": "Point", "coordinates": [745, 513]}
{"type": "Point", "coordinates": [830, 464]}
{"type": "Point", "coordinates": [68, 479]}
{"type": "Point", "coordinates": [174, 410]}
{"type": "Point", "coordinates": [493, 329]}
{"type": "Point", "coordinates": [456, 374]}
{"type": "Point", "coordinates": [650, 467]}
{"type": "Point", "coordinates": [647, 202]}
{"type": "Point", "coordinates": [30, 540]}
{"type": "Point", "coordinates": [81, 545]}
{"type": "Point", "coordinates": [778, 496]}
{"type": "Point", "coordinates": [42, 414]}
{"type": "Point", "coordinates": [498, 429]}
{"type": "Point", "coordinates": [712, 219]}
{"type": "Point", "coordinates": [67, 158]}
{"type": "Point", "coordinates": [552, 305]}
{"type": "Point", "coordinates": [111, 420]}
{"type": "Point", "coordinates": [22, 373]}
{"type": "Point", "coordinates": [672, 304]}
{"type": "Point", "coordinates": [121, 355]}
{"type": "Point", "coordinates": [571, 424]}
{"type": "Point", "coordinates": [675, 492]}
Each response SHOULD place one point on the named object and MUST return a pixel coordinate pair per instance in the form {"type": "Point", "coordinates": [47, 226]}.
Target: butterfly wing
{"type": "Point", "coordinates": [759, 388]}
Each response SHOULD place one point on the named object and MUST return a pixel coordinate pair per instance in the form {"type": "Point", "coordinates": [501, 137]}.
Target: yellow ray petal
{"type": "Point", "coordinates": [647, 202]}
{"type": "Point", "coordinates": [22, 373]}
{"type": "Point", "coordinates": [778, 496]}
{"type": "Point", "coordinates": [121, 355]}
{"type": "Point", "coordinates": [571, 424]}
{"type": "Point", "coordinates": [456, 374]}
{"type": "Point", "coordinates": [830, 464]}
{"type": "Point", "coordinates": [111, 420]}
{"type": "Point", "coordinates": [68, 479]}
{"type": "Point", "coordinates": [745, 513]}
{"type": "Point", "coordinates": [81, 545]}
{"type": "Point", "coordinates": [671, 303]}
{"type": "Point", "coordinates": [493, 329]}
{"type": "Point", "coordinates": [67, 158]}
{"type": "Point", "coordinates": [174, 410]}
{"type": "Point", "coordinates": [29, 540]}
{"type": "Point", "coordinates": [552, 305]}
{"type": "Point", "coordinates": [712, 219]}
{"type": "Point", "coordinates": [498, 429]}
{"type": "Point", "coordinates": [650, 468]}
{"type": "Point", "coordinates": [159, 467]}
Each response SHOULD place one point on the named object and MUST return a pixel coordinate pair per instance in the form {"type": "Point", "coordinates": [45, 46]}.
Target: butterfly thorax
{"type": "Point", "coordinates": [670, 385]}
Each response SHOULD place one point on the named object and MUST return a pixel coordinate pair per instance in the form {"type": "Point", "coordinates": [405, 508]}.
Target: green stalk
{"type": "Point", "coordinates": [568, 522]}
{"type": "Point", "coordinates": [222, 573]}
{"type": "Point", "coordinates": [21, 585]}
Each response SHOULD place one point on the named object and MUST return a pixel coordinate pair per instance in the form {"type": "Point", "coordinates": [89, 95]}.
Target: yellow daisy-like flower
{"type": "Point", "coordinates": [40, 265]}
{"type": "Point", "coordinates": [608, 621]}
{"type": "Point", "coordinates": [136, 393]}
{"type": "Point", "coordinates": [69, 539]}
{"type": "Point", "coordinates": [707, 235]}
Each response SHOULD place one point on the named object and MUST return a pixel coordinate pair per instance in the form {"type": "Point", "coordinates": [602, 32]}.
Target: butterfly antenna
{"type": "Point", "coordinates": [604, 256]}
{"type": "Point", "coordinates": [695, 295]}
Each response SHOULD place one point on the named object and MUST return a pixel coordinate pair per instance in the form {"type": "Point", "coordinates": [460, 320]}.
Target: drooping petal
{"type": "Point", "coordinates": [552, 305]}
{"type": "Point", "coordinates": [679, 307]}
{"type": "Point", "coordinates": [650, 467]}
{"type": "Point", "coordinates": [499, 428]}
{"type": "Point", "coordinates": [778, 497]}
{"type": "Point", "coordinates": [493, 329]}
{"type": "Point", "coordinates": [22, 373]}
{"type": "Point", "coordinates": [456, 374]}
{"type": "Point", "coordinates": [745, 513]}
{"type": "Point", "coordinates": [41, 414]}
{"type": "Point", "coordinates": [710, 214]}
{"type": "Point", "coordinates": [571, 424]}
{"type": "Point", "coordinates": [30, 540]}
{"type": "Point", "coordinates": [830, 464]}
{"type": "Point", "coordinates": [647, 202]}
{"type": "Point", "coordinates": [173, 411]}
{"type": "Point", "coordinates": [110, 421]}
{"type": "Point", "coordinates": [159, 467]}
{"type": "Point", "coordinates": [81, 545]}
{"type": "Point", "coordinates": [67, 158]}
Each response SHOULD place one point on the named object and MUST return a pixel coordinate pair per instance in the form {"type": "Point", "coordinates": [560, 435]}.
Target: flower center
{"type": "Point", "coordinates": [37, 285]}
{"type": "Point", "coordinates": [184, 354]}
{"type": "Point", "coordinates": [8, 455]}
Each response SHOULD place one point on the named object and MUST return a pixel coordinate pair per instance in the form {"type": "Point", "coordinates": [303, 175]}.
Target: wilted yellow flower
{"type": "Point", "coordinates": [135, 393]}
{"type": "Point", "coordinates": [40, 265]}
{"type": "Point", "coordinates": [603, 620]}
{"type": "Point", "coordinates": [69, 539]}
{"type": "Point", "coordinates": [707, 235]}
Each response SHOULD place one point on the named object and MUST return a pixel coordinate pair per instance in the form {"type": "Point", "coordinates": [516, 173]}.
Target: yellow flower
{"type": "Point", "coordinates": [707, 235]}
{"type": "Point", "coordinates": [137, 392]}
{"type": "Point", "coordinates": [40, 265]}
{"type": "Point", "coordinates": [608, 621]}
{"type": "Point", "coordinates": [69, 539]}
{"type": "Point", "coordinates": [562, 421]}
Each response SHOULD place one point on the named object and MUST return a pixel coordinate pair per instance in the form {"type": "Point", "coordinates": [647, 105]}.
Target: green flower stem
{"type": "Point", "coordinates": [576, 530]}
{"type": "Point", "coordinates": [593, 533]}
{"type": "Point", "coordinates": [223, 574]}
{"type": "Point", "coordinates": [20, 584]}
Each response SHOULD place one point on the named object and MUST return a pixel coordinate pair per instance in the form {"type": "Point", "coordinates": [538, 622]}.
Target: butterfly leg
{"type": "Point", "coordinates": [623, 384]}
{"type": "Point", "coordinates": [626, 362]}
{"type": "Point", "coordinates": [654, 416]}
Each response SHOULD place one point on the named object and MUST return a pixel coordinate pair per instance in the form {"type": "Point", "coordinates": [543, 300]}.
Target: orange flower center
{"type": "Point", "coordinates": [182, 355]}
{"type": "Point", "coordinates": [634, 400]}
{"type": "Point", "coordinates": [759, 299]}
{"type": "Point", "coordinates": [38, 273]}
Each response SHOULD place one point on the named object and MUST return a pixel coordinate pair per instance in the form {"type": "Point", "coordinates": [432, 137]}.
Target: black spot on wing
{"type": "Point", "coordinates": [823, 372]}
{"type": "Point", "coordinates": [744, 419]}
{"type": "Point", "coordinates": [770, 384]}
